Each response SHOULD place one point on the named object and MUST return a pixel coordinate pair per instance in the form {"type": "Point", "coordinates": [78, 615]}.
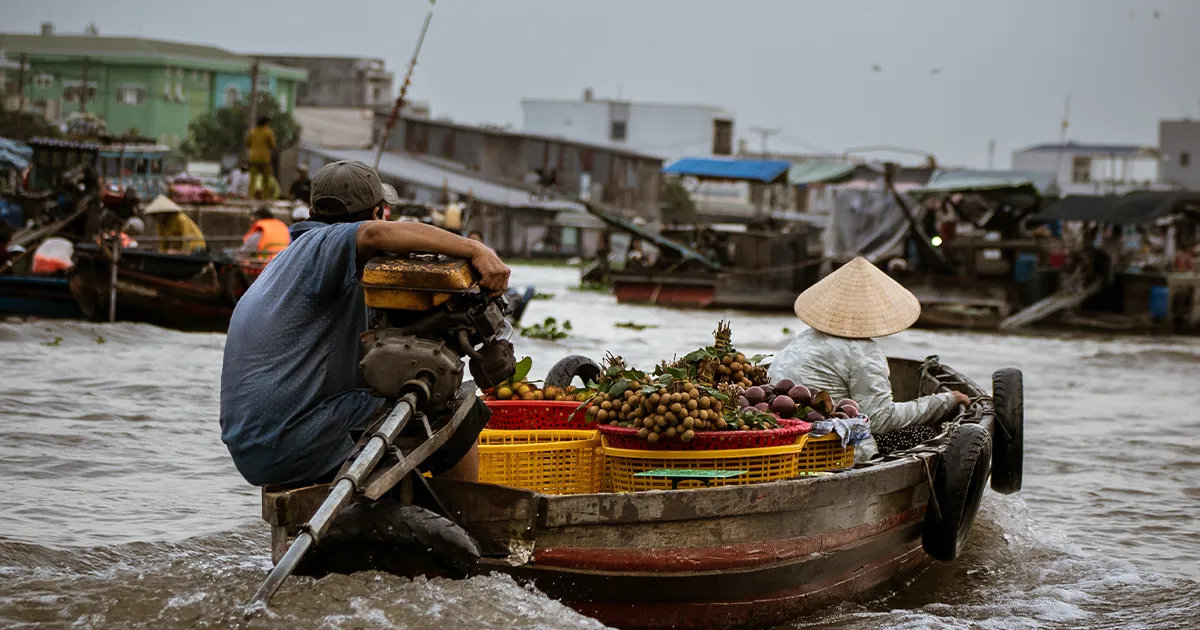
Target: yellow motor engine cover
{"type": "Point", "coordinates": [415, 284]}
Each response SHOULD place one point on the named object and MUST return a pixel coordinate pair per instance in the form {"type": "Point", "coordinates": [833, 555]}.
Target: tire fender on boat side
{"type": "Point", "coordinates": [391, 537]}
{"type": "Point", "coordinates": [1008, 438]}
{"type": "Point", "coordinates": [567, 368]}
{"type": "Point", "coordinates": [958, 485]}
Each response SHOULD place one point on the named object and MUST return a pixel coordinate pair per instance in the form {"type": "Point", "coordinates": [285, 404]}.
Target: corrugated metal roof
{"type": "Point", "coordinates": [765, 171]}
{"type": "Point", "coordinates": [969, 180]}
{"type": "Point", "coordinates": [410, 169]}
{"type": "Point", "coordinates": [819, 172]}
{"type": "Point", "coordinates": [1129, 209]}
{"type": "Point", "coordinates": [1092, 149]}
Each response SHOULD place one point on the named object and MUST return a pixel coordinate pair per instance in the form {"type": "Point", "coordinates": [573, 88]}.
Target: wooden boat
{"type": "Point", "coordinates": [721, 557]}
{"type": "Point", "coordinates": [194, 292]}
{"type": "Point", "coordinates": [37, 296]}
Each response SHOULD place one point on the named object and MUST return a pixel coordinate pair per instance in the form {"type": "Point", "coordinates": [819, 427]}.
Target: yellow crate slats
{"type": "Point", "coordinates": [581, 462]}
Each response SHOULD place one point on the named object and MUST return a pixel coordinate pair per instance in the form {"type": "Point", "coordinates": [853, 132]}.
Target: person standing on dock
{"type": "Point", "coordinates": [291, 389]}
{"type": "Point", "coordinates": [261, 144]}
{"type": "Point", "coordinates": [176, 231]}
{"type": "Point", "coordinates": [301, 189]}
{"type": "Point", "coordinates": [838, 353]}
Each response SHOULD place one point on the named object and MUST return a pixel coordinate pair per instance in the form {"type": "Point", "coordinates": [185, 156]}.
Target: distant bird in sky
{"type": "Point", "coordinates": [1156, 15]}
{"type": "Point", "coordinates": [877, 68]}
{"type": "Point", "coordinates": [935, 71]}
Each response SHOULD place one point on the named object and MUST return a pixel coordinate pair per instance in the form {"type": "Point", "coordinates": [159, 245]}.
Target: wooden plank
{"type": "Point", "coordinates": [797, 522]}
{"type": "Point", "coordinates": [721, 557]}
{"type": "Point", "coordinates": [495, 512]}
{"type": "Point", "coordinates": [292, 508]}
{"type": "Point", "coordinates": [668, 505]}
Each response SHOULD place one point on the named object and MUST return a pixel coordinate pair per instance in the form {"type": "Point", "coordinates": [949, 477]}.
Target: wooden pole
{"type": "Point", "coordinates": [112, 285]}
{"type": "Point", "coordinates": [391, 121]}
{"type": "Point", "coordinates": [253, 112]}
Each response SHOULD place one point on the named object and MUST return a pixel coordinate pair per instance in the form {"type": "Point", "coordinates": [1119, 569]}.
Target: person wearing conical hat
{"type": "Point", "coordinates": [176, 231]}
{"type": "Point", "coordinates": [838, 354]}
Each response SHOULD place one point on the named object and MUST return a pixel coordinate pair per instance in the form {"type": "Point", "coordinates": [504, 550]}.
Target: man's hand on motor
{"type": "Point", "coordinates": [494, 271]}
{"type": "Point", "coordinates": [962, 399]}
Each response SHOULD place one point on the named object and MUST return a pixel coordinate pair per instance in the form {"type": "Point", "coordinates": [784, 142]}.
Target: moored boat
{"type": "Point", "coordinates": [714, 557]}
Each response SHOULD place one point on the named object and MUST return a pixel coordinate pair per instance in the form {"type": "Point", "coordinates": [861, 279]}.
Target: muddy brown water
{"type": "Point", "coordinates": [121, 508]}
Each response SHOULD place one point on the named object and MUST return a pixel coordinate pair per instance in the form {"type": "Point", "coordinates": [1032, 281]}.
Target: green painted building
{"type": "Point", "coordinates": [153, 87]}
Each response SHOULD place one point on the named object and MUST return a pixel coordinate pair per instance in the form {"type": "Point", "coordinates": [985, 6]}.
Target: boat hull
{"type": "Point", "coordinates": [38, 297]}
{"type": "Point", "coordinates": [724, 557]}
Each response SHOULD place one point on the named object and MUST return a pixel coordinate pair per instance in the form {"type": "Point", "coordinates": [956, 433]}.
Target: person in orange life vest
{"type": "Point", "coordinates": [266, 237]}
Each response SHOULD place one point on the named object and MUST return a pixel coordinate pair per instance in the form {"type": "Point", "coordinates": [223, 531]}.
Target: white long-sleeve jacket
{"type": "Point", "coordinates": [855, 369]}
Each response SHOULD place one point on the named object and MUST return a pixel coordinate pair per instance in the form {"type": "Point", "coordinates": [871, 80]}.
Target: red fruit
{"type": "Point", "coordinates": [755, 395]}
{"type": "Point", "coordinates": [850, 409]}
{"type": "Point", "coordinates": [800, 394]}
{"type": "Point", "coordinates": [762, 406]}
{"type": "Point", "coordinates": [784, 386]}
{"type": "Point", "coordinates": [814, 416]}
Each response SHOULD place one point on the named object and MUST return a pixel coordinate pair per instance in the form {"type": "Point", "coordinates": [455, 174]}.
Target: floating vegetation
{"type": "Point", "coordinates": [548, 330]}
{"type": "Point", "coordinates": [53, 344]}
{"type": "Point", "coordinates": [634, 326]}
{"type": "Point", "coordinates": [543, 296]}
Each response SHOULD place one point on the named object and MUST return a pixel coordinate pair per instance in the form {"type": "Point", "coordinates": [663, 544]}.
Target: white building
{"type": "Point", "coordinates": [1179, 142]}
{"type": "Point", "coordinates": [663, 130]}
{"type": "Point", "coordinates": [1093, 169]}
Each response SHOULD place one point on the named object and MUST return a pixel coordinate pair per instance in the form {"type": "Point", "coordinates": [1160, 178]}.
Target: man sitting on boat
{"type": "Point", "coordinates": [291, 389]}
{"type": "Point", "coordinates": [176, 231]}
{"type": "Point", "coordinates": [264, 240]}
{"type": "Point", "coordinates": [838, 354]}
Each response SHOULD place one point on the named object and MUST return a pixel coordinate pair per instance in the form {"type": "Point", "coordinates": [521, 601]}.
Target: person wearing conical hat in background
{"type": "Point", "coordinates": [177, 232]}
{"type": "Point", "coordinates": [838, 354]}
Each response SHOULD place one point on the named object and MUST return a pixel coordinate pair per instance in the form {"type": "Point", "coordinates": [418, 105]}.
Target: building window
{"type": "Point", "coordinates": [376, 94]}
{"type": "Point", "coordinates": [178, 92]}
{"type": "Point", "coordinates": [264, 83]}
{"type": "Point", "coordinates": [283, 101]}
{"type": "Point", "coordinates": [1081, 169]}
{"type": "Point", "coordinates": [1185, 158]}
{"type": "Point", "coordinates": [722, 137]}
{"type": "Point", "coordinates": [43, 81]}
{"type": "Point", "coordinates": [131, 95]}
{"type": "Point", "coordinates": [232, 96]}
{"type": "Point", "coordinates": [617, 131]}
{"type": "Point", "coordinates": [195, 76]}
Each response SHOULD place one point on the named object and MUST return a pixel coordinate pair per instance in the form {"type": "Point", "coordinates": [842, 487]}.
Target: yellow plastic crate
{"type": "Point", "coordinates": [546, 461]}
{"type": "Point", "coordinates": [770, 463]}
{"type": "Point", "coordinates": [823, 453]}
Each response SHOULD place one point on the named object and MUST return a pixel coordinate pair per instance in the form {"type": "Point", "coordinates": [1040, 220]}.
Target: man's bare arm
{"type": "Point", "coordinates": [410, 237]}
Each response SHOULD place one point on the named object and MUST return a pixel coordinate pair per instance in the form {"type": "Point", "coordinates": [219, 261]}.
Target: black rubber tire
{"type": "Point", "coordinates": [1008, 440]}
{"type": "Point", "coordinates": [958, 485]}
{"type": "Point", "coordinates": [394, 538]}
{"type": "Point", "coordinates": [569, 367]}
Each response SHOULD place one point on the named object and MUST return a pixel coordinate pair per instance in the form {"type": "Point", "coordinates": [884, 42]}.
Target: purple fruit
{"type": "Point", "coordinates": [755, 395]}
{"type": "Point", "coordinates": [762, 406]}
{"type": "Point", "coordinates": [742, 402]}
{"type": "Point", "coordinates": [814, 416]}
{"type": "Point", "coordinates": [784, 386]}
{"type": "Point", "coordinates": [784, 406]}
{"type": "Point", "coordinates": [850, 409]}
{"type": "Point", "coordinates": [839, 414]}
{"type": "Point", "coordinates": [845, 401]}
{"type": "Point", "coordinates": [800, 394]}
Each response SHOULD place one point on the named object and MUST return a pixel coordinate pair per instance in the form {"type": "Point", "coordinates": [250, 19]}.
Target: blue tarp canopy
{"type": "Point", "coordinates": [765, 171]}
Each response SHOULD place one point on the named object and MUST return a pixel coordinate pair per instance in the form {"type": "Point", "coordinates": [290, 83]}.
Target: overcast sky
{"type": "Point", "coordinates": [1003, 67]}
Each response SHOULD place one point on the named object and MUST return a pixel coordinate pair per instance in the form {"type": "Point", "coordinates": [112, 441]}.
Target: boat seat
{"type": "Point", "coordinates": [677, 475]}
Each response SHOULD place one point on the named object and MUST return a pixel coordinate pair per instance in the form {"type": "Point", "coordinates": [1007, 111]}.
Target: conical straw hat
{"type": "Point", "coordinates": [161, 203]}
{"type": "Point", "coordinates": [858, 301]}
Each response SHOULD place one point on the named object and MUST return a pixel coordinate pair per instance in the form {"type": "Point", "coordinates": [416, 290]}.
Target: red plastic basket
{"type": "Point", "coordinates": [533, 415]}
{"type": "Point", "coordinates": [787, 433]}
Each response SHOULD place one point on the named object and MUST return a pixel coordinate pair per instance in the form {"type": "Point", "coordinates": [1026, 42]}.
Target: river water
{"type": "Point", "coordinates": [122, 509]}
